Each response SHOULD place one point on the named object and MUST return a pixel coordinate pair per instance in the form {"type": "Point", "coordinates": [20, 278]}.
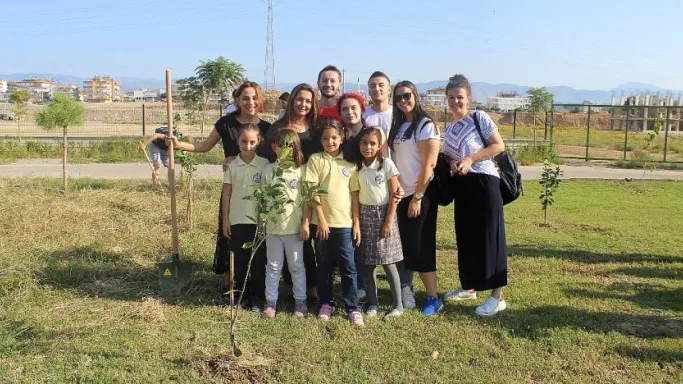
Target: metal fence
{"type": "Point", "coordinates": [644, 133]}
{"type": "Point", "coordinates": [110, 120]}
{"type": "Point", "coordinates": [589, 132]}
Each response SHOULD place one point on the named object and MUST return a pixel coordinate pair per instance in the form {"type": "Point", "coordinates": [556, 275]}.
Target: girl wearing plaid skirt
{"type": "Point", "coordinates": [380, 244]}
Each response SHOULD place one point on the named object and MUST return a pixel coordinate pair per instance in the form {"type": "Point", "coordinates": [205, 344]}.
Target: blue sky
{"type": "Point", "coordinates": [579, 43]}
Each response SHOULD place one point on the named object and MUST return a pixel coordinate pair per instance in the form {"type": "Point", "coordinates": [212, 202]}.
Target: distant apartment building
{"type": "Point", "coordinates": [508, 101]}
{"type": "Point", "coordinates": [142, 95]}
{"type": "Point", "coordinates": [434, 96]}
{"type": "Point", "coordinates": [40, 89]}
{"type": "Point", "coordinates": [68, 89]}
{"type": "Point", "coordinates": [3, 86]}
{"type": "Point", "coordinates": [101, 89]}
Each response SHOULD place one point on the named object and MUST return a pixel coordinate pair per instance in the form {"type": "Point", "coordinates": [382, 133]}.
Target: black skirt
{"type": "Point", "coordinates": [418, 235]}
{"type": "Point", "coordinates": [221, 256]}
{"type": "Point", "coordinates": [480, 231]}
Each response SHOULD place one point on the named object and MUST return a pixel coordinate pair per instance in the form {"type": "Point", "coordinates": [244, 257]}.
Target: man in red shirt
{"type": "Point", "coordinates": [329, 81]}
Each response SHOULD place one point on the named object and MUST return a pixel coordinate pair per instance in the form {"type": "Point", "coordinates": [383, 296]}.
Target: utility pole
{"type": "Point", "coordinates": [343, 87]}
{"type": "Point", "coordinates": [269, 68]}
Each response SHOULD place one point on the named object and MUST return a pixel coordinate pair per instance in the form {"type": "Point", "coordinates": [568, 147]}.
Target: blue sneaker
{"type": "Point", "coordinates": [434, 306]}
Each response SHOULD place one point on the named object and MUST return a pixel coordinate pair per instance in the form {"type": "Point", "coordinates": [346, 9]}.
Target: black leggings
{"type": "Point", "coordinates": [256, 283]}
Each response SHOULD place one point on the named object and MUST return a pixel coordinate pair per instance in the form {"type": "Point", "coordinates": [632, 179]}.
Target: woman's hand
{"type": "Point", "coordinates": [172, 140]}
{"type": "Point", "coordinates": [464, 166]}
{"type": "Point", "coordinates": [414, 208]}
{"type": "Point", "coordinates": [398, 194]}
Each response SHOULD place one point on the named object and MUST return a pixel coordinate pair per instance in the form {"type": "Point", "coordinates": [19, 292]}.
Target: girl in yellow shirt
{"type": "Point", "coordinates": [241, 178]}
{"type": "Point", "coordinates": [338, 226]}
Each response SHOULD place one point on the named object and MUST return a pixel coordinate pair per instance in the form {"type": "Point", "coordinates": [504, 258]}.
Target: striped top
{"type": "Point", "coordinates": [462, 140]}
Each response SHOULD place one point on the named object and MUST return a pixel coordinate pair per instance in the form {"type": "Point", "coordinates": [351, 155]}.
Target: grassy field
{"type": "Point", "coordinates": [596, 297]}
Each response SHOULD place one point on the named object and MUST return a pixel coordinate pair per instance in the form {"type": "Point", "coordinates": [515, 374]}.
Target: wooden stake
{"type": "Point", "coordinates": [171, 165]}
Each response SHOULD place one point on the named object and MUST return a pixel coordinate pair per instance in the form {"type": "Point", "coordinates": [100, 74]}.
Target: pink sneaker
{"type": "Point", "coordinates": [325, 312]}
{"type": "Point", "coordinates": [355, 318]}
{"type": "Point", "coordinates": [300, 308]}
{"type": "Point", "coordinates": [269, 310]}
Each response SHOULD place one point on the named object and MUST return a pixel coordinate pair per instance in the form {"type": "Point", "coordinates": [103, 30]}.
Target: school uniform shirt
{"type": "Point", "coordinates": [244, 178]}
{"type": "Point", "coordinates": [333, 174]}
{"type": "Point", "coordinates": [289, 222]}
{"type": "Point", "coordinates": [406, 153]}
{"type": "Point", "coordinates": [372, 182]}
{"type": "Point", "coordinates": [461, 140]}
{"type": "Point", "coordinates": [380, 119]}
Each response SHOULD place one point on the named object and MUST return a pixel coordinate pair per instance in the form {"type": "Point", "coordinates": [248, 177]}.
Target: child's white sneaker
{"type": "Point", "coordinates": [372, 311]}
{"type": "Point", "coordinates": [491, 306]}
{"type": "Point", "coordinates": [460, 294]}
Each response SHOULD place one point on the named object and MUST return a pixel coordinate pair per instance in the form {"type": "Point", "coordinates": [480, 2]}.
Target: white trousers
{"type": "Point", "coordinates": [292, 247]}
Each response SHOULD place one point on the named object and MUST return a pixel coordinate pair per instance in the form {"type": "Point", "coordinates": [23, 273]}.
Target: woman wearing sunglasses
{"type": "Point", "coordinates": [414, 142]}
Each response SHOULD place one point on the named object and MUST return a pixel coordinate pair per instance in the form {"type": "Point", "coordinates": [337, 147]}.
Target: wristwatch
{"type": "Point", "coordinates": [419, 196]}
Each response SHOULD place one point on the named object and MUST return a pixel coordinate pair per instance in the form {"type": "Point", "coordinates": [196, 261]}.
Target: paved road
{"type": "Point", "coordinates": [53, 168]}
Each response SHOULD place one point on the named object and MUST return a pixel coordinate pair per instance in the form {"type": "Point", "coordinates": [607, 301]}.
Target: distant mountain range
{"type": "Point", "coordinates": [481, 91]}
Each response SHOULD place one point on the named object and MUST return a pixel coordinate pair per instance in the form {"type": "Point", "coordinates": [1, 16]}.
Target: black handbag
{"type": "Point", "coordinates": [442, 181]}
{"type": "Point", "coordinates": [510, 178]}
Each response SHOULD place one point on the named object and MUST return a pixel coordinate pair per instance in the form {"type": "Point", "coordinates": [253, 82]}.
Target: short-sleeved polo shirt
{"type": "Point", "coordinates": [289, 222]}
{"type": "Point", "coordinates": [244, 178]}
{"type": "Point", "coordinates": [372, 182]}
{"type": "Point", "coordinates": [332, 174]}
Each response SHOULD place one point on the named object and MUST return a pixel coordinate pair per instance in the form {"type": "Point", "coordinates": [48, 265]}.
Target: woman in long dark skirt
{"type": "Point", "coordinates": [249, 101]}
{"type": "Point", "coordinates": [479, 223]}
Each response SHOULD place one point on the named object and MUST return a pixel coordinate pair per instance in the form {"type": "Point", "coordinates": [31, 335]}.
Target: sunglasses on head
{"type": "Point", "coordinates": [404, 97]}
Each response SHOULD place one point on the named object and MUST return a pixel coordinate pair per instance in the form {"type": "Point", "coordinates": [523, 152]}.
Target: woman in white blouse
{"type": "Point", "coordinates": [414, 143]}
{"type": "Point", "coordinates": [471, 142]}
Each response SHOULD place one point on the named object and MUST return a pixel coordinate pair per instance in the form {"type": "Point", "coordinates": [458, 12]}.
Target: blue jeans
{"type": "Point", "coordinates": [337, 248]}
{"type": "Point", "coordinates": [360, 279]}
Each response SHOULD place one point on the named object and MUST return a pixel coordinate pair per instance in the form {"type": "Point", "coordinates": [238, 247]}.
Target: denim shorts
{"type": "Point", "coordinates": [159, 155]}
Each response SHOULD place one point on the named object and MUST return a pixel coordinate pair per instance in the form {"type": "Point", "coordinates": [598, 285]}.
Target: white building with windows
{"type": "Point", "coordinates": [3, 86]}
{"type": "Point", "coordinates": [508, 101]}
{"type": "Point", "coordinates": [434, 96]}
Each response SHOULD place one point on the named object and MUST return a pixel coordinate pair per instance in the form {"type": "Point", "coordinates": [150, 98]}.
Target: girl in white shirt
{"type": "Point", "coordinates": [371, 189]}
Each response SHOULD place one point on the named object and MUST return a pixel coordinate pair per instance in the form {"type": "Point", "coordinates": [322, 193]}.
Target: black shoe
{"type": "Point", "coordinates": [256, 304]}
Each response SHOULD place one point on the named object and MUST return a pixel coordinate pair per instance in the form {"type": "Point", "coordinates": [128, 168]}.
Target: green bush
{"type": "Point", "coordinates": [536, 154]}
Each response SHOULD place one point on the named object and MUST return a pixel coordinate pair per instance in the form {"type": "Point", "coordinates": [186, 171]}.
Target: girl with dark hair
{"type": "Point", "coordinates": [337, 224]}
{"type": "Point", "coordinates": [301, 116]}
{"type": "Point", "coordinates": [240, 179]}
{"type": "Point", "coordinates": [371, 190]}
{"type": "Point", "coordinates": [479, 223]}
{"type": "Point", "coordinates": [226, 130]}
{"type": "Point", "coordinates": [287, 234]}
{"type": "Point", "coordinates": [414, 142]}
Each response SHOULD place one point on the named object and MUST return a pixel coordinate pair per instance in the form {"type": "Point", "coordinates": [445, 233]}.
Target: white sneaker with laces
{"type": "Point", "coordinates": [372, 311]}
{"type": "Point", "coordinates": [460, 294]}
{"type": "Point", "coordinates": [490, 307]}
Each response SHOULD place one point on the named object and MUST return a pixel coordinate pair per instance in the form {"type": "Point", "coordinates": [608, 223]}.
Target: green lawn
{"type": "Point", "coordinates": [595, 297]}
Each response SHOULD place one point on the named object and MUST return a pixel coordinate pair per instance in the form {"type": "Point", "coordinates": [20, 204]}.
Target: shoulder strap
{"type": "Point", "coordinates": [476, 124]}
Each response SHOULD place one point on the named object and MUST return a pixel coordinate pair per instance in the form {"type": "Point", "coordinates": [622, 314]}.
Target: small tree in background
{"type": "Point", "coordinates": [63, 112]}
{"type": "Point", "coordinates": [541, 101]}
{"type": "Point", "coordinates": [20, 99]}
{"type": "Point", "coordinates": [213, 78]}
{"type": "Point", "coordinates": [550, 181]}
